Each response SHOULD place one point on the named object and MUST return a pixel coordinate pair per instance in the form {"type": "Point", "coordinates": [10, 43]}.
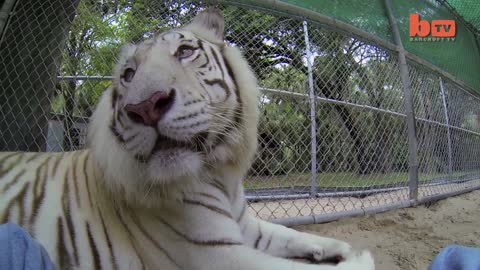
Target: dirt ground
{"type": "Point", "coordinates": [408, 239]}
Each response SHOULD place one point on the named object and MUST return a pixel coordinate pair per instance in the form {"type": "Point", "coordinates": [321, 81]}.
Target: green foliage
{"type": "Point", "coordinates": [286, 78]}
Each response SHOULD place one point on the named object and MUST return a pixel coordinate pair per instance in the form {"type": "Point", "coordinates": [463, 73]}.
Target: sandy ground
{"type": "Point", "coordinates": [410, 238]}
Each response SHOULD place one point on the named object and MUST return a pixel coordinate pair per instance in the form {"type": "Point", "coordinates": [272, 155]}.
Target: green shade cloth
{"type": "Point", "coordinates": [460, 58]}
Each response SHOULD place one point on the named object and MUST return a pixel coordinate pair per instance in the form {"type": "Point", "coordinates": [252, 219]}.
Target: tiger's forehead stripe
{"type": "Point", "coordinates": [174, 38]}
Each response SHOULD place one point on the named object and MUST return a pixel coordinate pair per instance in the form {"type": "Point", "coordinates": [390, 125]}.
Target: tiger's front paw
{"type": "Point", "coordinates": [362, 260]}
{"type": "Point", "coordinates": [319, 249]}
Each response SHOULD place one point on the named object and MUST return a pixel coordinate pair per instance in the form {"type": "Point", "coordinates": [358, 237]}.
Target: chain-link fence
{"type": "Point", "coordinates": [334, 134]}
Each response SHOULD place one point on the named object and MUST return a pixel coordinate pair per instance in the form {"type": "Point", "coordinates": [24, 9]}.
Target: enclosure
{"type": "Point", "coordinates": [357, 116]}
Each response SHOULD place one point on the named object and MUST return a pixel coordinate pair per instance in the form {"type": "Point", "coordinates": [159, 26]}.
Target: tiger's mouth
{"type": "Point", "coordinates": [164, 143]}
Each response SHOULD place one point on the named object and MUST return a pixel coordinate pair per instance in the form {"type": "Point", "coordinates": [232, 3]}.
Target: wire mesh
{"type": "Point", "coordinates": [51, 83]}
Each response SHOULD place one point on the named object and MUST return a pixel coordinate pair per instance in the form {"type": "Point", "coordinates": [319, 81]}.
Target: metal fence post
{"type": "Point", "coordinates": [313, 129]}
{"type": "Point", "coordinates": [408, 101]}
{"type": "Point", "coordinates": [447, 122]}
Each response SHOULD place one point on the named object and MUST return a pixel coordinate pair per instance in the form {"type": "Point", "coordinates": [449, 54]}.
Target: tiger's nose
{"type": "Point", "coordinates": [151, 110]}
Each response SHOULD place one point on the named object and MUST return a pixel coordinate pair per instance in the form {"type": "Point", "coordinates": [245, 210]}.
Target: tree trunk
{"type": "Point", "coordinates": [364, 158]}
{"type": "Point", "coordinates": [382, 153]}
{"type": "Point", "coordinates": [334, 89]}
{"type": "Point", "coordinates": [30, 54]}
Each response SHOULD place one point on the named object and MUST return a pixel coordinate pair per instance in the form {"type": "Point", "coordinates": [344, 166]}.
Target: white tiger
{"type": "Point", "coordinates": [160, 185]}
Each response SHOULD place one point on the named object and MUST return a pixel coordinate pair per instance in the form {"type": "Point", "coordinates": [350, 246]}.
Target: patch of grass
{"type": "Point", "coordinates": [340, 179]}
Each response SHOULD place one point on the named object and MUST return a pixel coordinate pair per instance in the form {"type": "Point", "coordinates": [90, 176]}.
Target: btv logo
{"type": "Point", "coordinates": [438, 28]}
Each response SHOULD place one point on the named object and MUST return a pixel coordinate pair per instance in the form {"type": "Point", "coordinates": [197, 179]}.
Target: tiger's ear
{"type": "Point", "coordinates": [127, 50]}
{"type": "Point", "coordinates": [210, 20]}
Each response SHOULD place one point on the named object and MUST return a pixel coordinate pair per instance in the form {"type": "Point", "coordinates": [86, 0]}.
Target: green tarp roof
{"type": "Point", "coordinates": [469, 10]}
{"type": "Point", "coordinates": [460, 58]}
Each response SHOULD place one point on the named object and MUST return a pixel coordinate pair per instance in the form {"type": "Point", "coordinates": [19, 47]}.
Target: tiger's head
{"type": "Point", "coordinates": [180, 103]}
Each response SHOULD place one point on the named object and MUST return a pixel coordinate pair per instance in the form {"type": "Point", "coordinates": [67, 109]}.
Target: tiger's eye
{"type": "Point", "coordinates": [128, 74]}
{"type": "Point", "coordinates": [185, 51]}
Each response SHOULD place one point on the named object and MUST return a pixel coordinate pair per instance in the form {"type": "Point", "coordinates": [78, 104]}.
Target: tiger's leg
{"type": "Point", "coordinates": [278, 240]}
{"type": "Point", "coordinates": [240, 257]}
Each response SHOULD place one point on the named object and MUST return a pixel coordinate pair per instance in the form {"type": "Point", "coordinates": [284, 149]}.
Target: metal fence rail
{"type": "Point", "coordinates": [351, 124]}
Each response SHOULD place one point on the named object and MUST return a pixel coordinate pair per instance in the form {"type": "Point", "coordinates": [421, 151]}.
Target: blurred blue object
{"type": "Point", "coordinates": [19, 251]}
{"type": "Point", "coordinates": [455, 257]}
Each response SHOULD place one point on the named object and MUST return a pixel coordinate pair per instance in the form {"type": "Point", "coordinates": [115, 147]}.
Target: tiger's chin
{"type": "Point", "coordinates": [169, 160]}
{"type": "Point", "coordinates": [174, 165]}
{"type": "Point", "coordinates": [164, 177]}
